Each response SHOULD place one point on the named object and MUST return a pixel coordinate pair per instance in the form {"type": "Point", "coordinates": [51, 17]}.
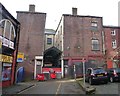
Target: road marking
{"type": "Point", "coordinates": [58, 89]}
{"type": "Point", "coordinates": [26, 89]}
{"type": "Point", "coordinates": [66, 81]}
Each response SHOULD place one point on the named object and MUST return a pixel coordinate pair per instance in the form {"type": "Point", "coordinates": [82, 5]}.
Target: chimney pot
{"type": "Point", "coordinates": [32, 8]}
{"type": "Point", "coordinates": [74, 11]}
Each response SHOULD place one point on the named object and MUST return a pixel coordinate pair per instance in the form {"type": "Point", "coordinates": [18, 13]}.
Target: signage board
{"type": "Point", "coordinates": [5, 58]}
{"type": "Point", "coordinates": [20, 57]}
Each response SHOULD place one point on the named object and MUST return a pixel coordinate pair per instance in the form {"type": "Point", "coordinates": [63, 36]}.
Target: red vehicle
{"type": "Point", "coordinates": [40, 77]}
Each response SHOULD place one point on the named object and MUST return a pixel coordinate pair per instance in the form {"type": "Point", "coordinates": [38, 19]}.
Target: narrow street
{"type": "Point", "coordinates": [54, 87]}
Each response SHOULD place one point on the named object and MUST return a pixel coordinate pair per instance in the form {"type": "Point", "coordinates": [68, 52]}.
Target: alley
{"type": "Point", "coordinates": [54, 87]}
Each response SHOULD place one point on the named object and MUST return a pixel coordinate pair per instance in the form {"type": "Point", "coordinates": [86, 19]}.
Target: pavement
{"type": "Point", "coordinates": [17, 88]}
{"type": "Point", "coordinates": [87, 88]}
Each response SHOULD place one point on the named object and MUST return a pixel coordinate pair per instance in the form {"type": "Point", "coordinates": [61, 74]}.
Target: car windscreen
{"type": "Point", "coordinates": [98, 71]}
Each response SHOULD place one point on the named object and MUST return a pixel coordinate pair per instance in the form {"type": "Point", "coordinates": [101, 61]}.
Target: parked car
{"type": "Point", "coordinates": [114, 74]}
{"type": "Point", "coordinates": [96, 75]}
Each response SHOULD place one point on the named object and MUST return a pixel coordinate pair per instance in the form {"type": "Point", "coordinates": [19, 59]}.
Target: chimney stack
{"type": "Point", "coordinates": [74, 11]}
{"type": "Point", "coordinates": [31, 8]}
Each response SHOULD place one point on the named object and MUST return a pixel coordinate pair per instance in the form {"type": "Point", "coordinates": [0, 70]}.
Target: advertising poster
{"type": "Point", "coordinates": [6, 72]}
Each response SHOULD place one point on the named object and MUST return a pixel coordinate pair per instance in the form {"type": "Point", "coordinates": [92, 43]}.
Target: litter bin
{"type": "Point", "coordinates": [40, 77]}
{"type": "Point", "coordinates": [53, 75]}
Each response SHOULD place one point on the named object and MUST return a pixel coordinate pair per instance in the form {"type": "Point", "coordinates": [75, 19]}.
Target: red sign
{"type": "Point", "coordinates": [47, 70]}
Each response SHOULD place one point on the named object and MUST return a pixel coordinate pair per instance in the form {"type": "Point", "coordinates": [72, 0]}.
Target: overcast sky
{"type": "Point", "coordinates": [108, 9]}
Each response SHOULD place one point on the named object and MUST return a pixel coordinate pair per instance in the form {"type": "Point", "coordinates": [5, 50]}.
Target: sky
{"type": "Point", "coordinates": [108, 9]}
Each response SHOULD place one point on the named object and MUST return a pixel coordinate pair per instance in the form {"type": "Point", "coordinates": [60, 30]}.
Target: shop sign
{"type": "Point", "coordinates": [5, 58]}
{"type": "Point", "coordinates": [6, 42]}
{"type": "Point", "coordinates": [20, 57]}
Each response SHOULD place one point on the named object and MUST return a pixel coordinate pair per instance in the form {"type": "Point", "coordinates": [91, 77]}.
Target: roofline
{"type": "Point", "coordinates": [58, 24]}
{"type": "Point", "coordinates": [109, 26]}
{"type": "Point", "coordinates": [82, 16]}
{"type": "Point", "coordinates": [3, 8]}
{"type": "Point", "coordinates": [30, 12]}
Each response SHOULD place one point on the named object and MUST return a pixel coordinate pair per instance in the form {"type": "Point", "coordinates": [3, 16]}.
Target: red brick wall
{"type": "Point", "coordinates": [78, 32]}
{"type": "Point", "coordinates": [31, 38]}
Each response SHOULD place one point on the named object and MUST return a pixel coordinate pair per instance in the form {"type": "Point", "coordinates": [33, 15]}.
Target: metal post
{"type": "Point", "coordinates": [84, 72]}
{"type": "Point", "coordinates": [62, 67]}
{"type": "Point", "coordinates": [74, 72]}
{"type": "Point", "coordinates": [35, 69]}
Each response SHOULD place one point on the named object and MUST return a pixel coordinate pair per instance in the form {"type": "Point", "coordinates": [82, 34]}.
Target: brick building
{"type": "Point", "coordinates": [49, 38]}
{"type": "Point", "coordinates": [112, 45]}
{"type": "Point", "coordinates": [80, 37]}
{"type": "Point", "coordinates": [9, 40]}
{"type": "Point", "coordinates": [31, 38]}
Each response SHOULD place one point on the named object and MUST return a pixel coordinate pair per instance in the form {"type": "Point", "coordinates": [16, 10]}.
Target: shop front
{"type": "Point", "coordinates": [9, 37]}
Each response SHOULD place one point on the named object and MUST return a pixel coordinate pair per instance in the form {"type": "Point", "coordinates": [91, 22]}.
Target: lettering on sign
{"type": "Point", "coordinates": [5, 58]}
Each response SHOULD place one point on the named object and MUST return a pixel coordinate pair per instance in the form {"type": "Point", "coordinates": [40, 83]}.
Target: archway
{"type": "Point", "coordinates": [52, 57]}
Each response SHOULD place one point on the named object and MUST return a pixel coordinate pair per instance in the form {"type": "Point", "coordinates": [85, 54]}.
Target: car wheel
{"type": "Point", "coordinates": [111, 79]}
{"type": "Point", "coordinates": [90, 81]}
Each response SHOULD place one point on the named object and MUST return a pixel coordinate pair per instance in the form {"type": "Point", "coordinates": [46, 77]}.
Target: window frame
{"type": "Point", "coordinates": [94, 48]}
{"type": "Point", "coordinates": [49, 42]}
{"type": "Point", "coordinates": [94, 24]}
{"type": "Point", "coordinates": [113, 32]}
{"type": "Point", "coordinates": [114, 44]}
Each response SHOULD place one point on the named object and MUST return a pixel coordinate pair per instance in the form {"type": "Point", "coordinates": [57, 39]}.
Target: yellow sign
{"type": "Point", "coordinates": [20, 57]}
{"type": "Point", "coordinates": [5, 58]}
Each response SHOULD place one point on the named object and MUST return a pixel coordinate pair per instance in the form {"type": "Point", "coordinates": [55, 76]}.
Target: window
{"type": "Point", "coordinates": [95, 45]}
{"type": "Point", "coordinates": [114, 44]}
{"type": "Point", "coordinates": [2, 28]}
{"type": "Point", "coordinates": [113, 32]}
{"type": "Point", "coordinates": [94, 23]}
{"type": "Point", "coordinates": [49, 40]}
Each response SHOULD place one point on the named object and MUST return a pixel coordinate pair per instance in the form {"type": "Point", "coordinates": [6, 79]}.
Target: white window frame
{"type": "Point", "coordinates": [113, 32]}
{"type": "Point", "coordinates": [114, 44]}
{"type": "Point", "coordinates": [94, 24]}
{"type": "Point", "coordinates": [94, 45]}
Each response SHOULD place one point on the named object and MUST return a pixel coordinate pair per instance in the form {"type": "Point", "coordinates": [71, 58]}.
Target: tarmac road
{"type": "Point", "coordinates": [54, 87]}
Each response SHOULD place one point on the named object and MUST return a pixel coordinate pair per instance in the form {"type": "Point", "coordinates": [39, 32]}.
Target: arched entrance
{"type": "Point", "coordinates": [52, 56]}
{"type": "Point", "coordinates": [52, 61]}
